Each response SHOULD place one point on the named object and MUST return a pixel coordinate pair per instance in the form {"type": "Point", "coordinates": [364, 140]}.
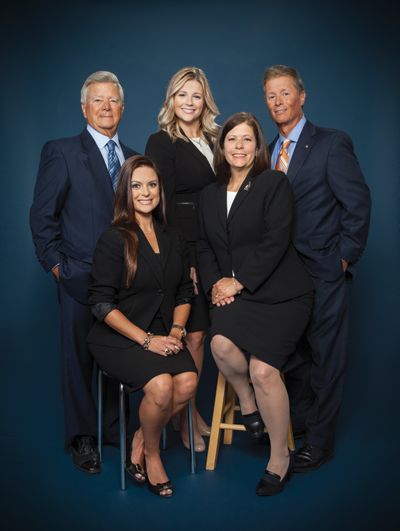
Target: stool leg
{"type": "Point", "coordinates": [230, 413]}
{"type": "Point", "coordinates": [291, 444]}
{"type": "Point", "coordinates": [164, 439]}
{"type": "Point", "coordinates": [100, 413]}
{"type": "Point", "coordinates": [122, 433]}
{"type": "Point", "coordinates": [191, 438]}
{"type": "Point", "coordinates": [213, 445]}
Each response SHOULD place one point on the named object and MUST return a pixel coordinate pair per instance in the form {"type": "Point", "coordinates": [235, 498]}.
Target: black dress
{"type": "Point", "coordinates": [185, 171]}
{"type": "Point", "coordinates": [253, 242]}
{"type": "Point", "coordinates": [161, 283]}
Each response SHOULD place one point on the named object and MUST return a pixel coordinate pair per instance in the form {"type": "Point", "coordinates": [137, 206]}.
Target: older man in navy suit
{"type": "Point", "coordinates": [332, 203]}
{"type": "Point", "coordinates": [72, 206]}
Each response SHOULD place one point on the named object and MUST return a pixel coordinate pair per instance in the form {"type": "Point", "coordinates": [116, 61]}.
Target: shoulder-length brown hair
{"type": "Point", "coordinates": [261, 162]}
{"type": "Point", "coordinates": [124, 212]}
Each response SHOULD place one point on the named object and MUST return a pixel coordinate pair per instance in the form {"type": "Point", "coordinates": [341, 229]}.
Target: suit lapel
{"type": "Point", "coordinates": [96, 165]}
{"type": "Point", "coordinates": [243, 193]}
{"type": "Point", "coordinates": [221, 205]}
{"type": "Point", "coordinates": [302, 149]}
{"type": "Point", "coordinates": [190, 147]}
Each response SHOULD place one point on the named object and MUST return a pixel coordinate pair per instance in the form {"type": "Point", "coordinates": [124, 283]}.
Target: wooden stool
{"type": "Point", "coordinates": [224, 419]}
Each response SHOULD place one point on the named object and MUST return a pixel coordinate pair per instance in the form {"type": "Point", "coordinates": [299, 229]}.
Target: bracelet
{"type": "Point", "coordinates": [181, 328]}
{"type": "Point", "coordinates": [146, 343]}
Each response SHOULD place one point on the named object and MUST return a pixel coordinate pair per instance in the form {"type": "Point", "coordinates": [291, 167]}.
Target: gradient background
{"type": "Point", "coordinates": [345, 52]}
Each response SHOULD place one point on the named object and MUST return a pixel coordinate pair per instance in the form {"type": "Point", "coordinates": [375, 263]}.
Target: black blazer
{"type": "Point", "coordinates": [254, 241]}
{"type": "Point", "coordinates": [185, 172]}
{"type": "Point", "coordinates": [161, 283]}
{"type": "Point", "coordinates": [333, 202]}
{"type": "Point", "coordinates": [72, 206]}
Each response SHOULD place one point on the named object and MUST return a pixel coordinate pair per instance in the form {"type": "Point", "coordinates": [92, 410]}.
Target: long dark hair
{"type": "Point", "coordinates": [124, 212]}
{"type": "Point", "coordinates": [261, 162]}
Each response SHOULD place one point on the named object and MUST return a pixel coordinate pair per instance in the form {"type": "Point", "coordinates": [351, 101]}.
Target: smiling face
{"type": "Point", "coordinates": [103, 108]}
{"type": "Point", "coordinates": [145, 191]}
{"type": "Point", "coordinates": [284, 102]}
{"type": "Point", "coordinates": [240, 148]}
{"type": "Point", "coordinates": [189, 103]}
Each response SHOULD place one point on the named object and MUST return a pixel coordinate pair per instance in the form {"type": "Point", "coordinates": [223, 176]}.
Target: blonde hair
{"type": "Point", "coordinates": [167, 118]}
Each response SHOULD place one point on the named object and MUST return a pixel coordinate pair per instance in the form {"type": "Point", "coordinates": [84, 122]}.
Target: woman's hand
{"type": "Point", "coordinates": [224, 291]}
{"type": "Point", "coordinates": [165, 345]}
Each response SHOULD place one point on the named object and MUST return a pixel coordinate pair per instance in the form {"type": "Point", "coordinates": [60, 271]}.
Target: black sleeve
{"type": "Point", "coordinates": [207, 261]}
{"type": "Point", "coordinates": [107, 270]}
{"type": "Point", "coordinates": [184, 293]}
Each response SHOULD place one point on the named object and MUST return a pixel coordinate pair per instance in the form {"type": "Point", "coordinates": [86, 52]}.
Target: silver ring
{"type": "Point", "coordinates": [167, 350]}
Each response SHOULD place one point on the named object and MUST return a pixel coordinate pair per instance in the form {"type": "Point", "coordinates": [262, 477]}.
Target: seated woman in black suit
{"type": "Point", "coordinates": [260, 292]}
{"type": "Point", "coordinates": [140, 294]}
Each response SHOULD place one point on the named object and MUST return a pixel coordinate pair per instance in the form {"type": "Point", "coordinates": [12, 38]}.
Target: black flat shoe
{"type": "Point", "coordinates": [137, 473]}
{"type": "Point", "coordinates": [310, 458]}
{"type": "Point", "coordinates": [254, 424]}
{"type": "Point", "coordinates": [85, 454]}
{"type": "Point", "coordinates": [271, 484]}
{"type": "Point", "coordinates": [161, 488]}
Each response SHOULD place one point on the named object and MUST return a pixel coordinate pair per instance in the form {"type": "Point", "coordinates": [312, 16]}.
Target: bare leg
{"type": "Point", "coordinates": [195, 344]}
{"type": "Point", "coordinates": [154, 412]}
{"type": "Point", "coordinates": [273, 403]}
{"type": "Point", "coordinates": [164, 395]}
{"type": "Point", "coordinates": [232, 363]}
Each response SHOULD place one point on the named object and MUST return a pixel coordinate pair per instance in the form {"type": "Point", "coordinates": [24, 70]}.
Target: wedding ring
{"type": "Point", "coordinates": [167, 350]}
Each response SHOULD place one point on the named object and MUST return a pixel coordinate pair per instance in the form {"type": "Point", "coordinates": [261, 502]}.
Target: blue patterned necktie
{"type": "Point", "coordinates": [113, 163]}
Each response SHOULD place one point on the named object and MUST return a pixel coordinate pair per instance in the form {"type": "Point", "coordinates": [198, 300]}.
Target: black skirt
{"type": "Point", "coordinates": [269, 332]}
{"type": "Point", "coordinates": [135, 366]}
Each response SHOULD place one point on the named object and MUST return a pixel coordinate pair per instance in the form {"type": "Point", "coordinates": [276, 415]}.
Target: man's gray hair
{"type": "Point", "coordinates": [101, 76]}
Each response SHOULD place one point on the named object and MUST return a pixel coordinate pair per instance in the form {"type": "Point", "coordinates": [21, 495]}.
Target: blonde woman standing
{"type": "Point", "coordinates": [183, 153]}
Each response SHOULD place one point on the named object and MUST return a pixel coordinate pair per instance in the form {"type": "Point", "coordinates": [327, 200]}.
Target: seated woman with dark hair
{"type": "Point", "coordinates": [140, 295]}
{"type": "Point", "coordinates": [261, 293]}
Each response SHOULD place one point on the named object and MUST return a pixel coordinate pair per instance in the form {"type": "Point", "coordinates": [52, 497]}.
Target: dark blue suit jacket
{"type": "Point", "coordinates": [332, 201]}
{"type": "Point", "coordinates": [72, 206]}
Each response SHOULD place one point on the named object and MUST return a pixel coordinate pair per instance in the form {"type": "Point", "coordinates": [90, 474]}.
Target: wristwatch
{"type": "Point", "coordinates": [181, 328]}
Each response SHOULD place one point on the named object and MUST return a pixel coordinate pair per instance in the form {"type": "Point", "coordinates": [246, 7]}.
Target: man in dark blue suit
{"type": "Point", "coordinates": [330, 233]}
{"type": "Point", "coordinates": [72, 206]}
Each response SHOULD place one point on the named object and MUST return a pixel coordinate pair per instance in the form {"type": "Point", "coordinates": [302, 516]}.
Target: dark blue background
{"type": "Point", "coordinates": [345, 52]}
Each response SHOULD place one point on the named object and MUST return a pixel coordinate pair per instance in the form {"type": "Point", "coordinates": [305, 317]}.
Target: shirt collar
{"type": "Point", "coordinates": [294, 134]}
{"type": "Point", "coordinates": [100, 139]}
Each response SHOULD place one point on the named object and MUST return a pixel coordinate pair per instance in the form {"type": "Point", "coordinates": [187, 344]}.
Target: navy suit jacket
{"type": "Point", "coordinates": [72, 206]}
{"type": "Point", "coordinates": [332, 201]}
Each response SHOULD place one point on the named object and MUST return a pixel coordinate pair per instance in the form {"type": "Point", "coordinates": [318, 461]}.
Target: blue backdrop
{"type": "Point", "coordinates": [345, 53]}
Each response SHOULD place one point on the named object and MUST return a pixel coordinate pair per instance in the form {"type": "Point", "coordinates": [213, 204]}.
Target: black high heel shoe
{"type": "Point", "coordinates": [254, 424]}
{"type": "Point", "coordinates": [159, 488]}
{"type": "Point", "coordinates": [135, 470]}
{"type": "Point", "coordinates": [137, 473]}
{"type": "Point", "coordinates": [271, 484]}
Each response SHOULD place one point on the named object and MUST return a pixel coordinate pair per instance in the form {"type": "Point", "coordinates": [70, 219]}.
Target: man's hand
{"type": "Point", "coordinates": [345, 265]}
{"type": "Point", "coordinates": [56, 272]}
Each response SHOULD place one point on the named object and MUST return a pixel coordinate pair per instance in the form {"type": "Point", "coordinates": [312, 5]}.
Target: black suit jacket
{"type": "Point", "coordinates": [161, 283]}
{"type": "Point", "coordinates": [332, 201]}
{"type": "Point", "coordinates": [253, 241]}
{"type": "Point", "coordinates": [72, 206]}
{"type": "Point", "coordinates": [185, 172]}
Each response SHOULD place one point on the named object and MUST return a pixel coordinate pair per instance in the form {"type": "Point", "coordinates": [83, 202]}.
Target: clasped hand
{"type": "Point", "coordinates": [224, 291]}
{"type": "Point", "coordinates": [165, 345]}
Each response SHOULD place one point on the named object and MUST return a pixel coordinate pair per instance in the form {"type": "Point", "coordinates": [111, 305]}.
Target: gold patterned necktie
{"type": "Point", "coordinates": [282, 162]}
